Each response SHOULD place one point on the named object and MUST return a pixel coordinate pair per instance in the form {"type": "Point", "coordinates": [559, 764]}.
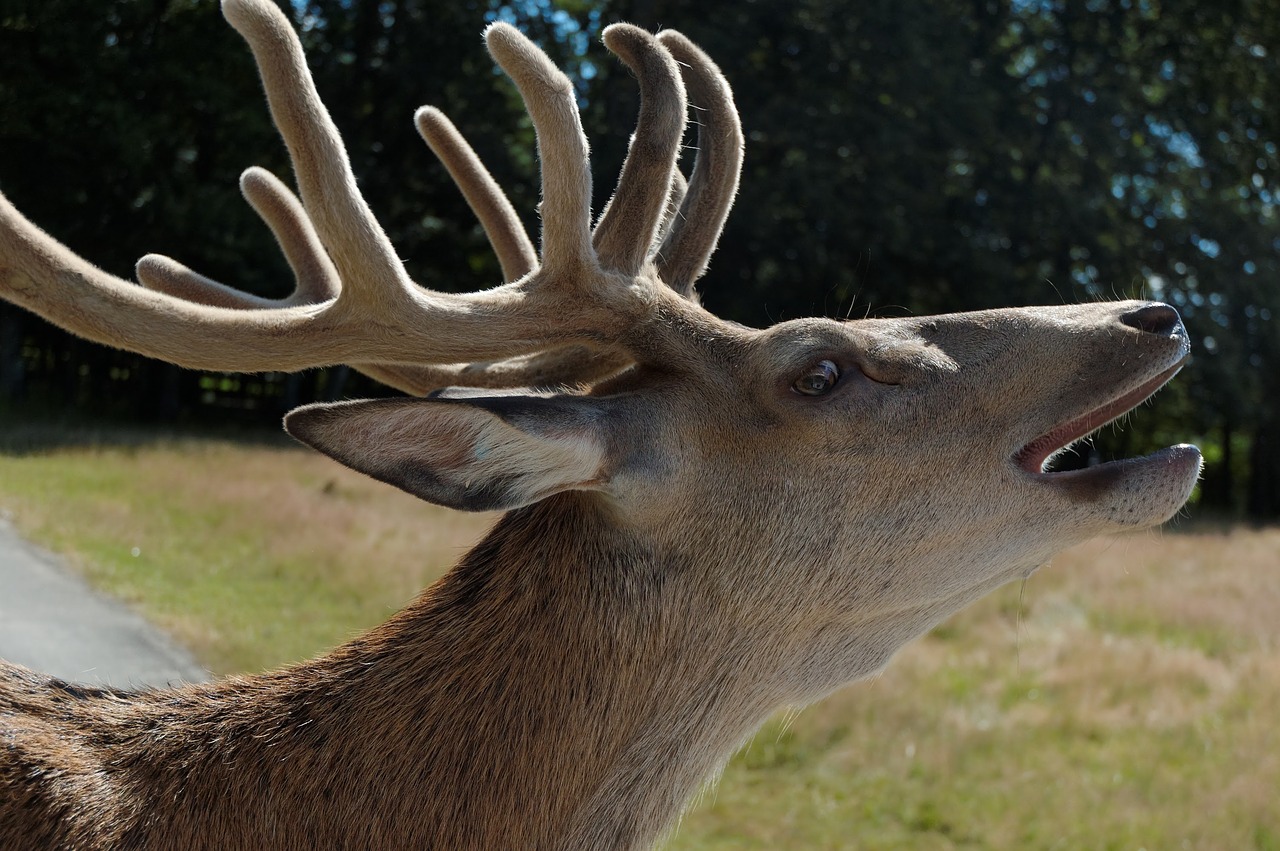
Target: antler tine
{"type": "Point", "coordinates": [506, 234]}
{"type": "Point", "coordinates": [562, 149]}
{"type": "Point", "coordinates": [688, 246]}
{"type": "Point", "coordinates": [315, 278]}
{"type": "Point", "coordinates": [675, 197]}
{"type": "Point", "coordinates": [364, 257]}
{"type": "Point", "coordinates": [629, 223]}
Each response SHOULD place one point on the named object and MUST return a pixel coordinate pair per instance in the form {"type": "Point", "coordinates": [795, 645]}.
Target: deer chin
{"type": "Point", "coordinates": [1131, 492]}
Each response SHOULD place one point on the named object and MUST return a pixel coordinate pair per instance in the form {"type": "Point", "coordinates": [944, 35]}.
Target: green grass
{"type": "Point", "coordinates": [1127, 698]}
{"type": "Point", "coordinates": [252, 555]}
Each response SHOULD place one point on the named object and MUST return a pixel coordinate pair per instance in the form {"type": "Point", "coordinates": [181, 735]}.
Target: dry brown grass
{"type": "Point", "coordinates": [1127, 697]}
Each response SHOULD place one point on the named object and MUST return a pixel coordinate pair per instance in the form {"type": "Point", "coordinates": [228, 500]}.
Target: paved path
{"type": "Point", "coordinates": [51, 621]}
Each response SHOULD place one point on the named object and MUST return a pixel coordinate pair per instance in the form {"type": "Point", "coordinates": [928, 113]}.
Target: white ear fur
{"type": "Point", "coordinates": [472, 454]}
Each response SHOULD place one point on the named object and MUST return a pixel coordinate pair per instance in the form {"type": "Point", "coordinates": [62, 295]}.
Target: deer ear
{"type": "Point", "coordinates": [475, 454]}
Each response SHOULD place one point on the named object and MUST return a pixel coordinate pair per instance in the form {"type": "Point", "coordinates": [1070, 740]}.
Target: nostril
{"type": "Point", "coordinates": [1154, 318]}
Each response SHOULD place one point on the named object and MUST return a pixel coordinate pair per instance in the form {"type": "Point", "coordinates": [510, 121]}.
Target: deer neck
{"type": "Point", "coordinates": [564, 685]}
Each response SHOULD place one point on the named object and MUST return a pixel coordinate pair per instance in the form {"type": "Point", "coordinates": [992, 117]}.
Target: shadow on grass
{"type": "Point", "coordinates": [22, 434]}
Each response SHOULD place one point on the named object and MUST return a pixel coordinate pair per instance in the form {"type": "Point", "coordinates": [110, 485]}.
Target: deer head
{"type": "Point", "coordinates": [805, 498]}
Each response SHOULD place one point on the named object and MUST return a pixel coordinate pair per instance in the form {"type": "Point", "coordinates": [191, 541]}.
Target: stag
{"type": "Point", "coordinates": [706, 522]}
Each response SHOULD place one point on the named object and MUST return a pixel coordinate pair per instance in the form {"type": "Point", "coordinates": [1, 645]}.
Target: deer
{"type": "Point", "coordinates": [704, 522]}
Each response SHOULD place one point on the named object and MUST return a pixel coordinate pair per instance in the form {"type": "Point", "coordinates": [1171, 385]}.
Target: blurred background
{"type": "Point", "coordinates": [904, 156]}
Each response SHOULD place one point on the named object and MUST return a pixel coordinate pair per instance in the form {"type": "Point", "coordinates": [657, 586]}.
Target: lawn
{"type": "Point", "coordinates": [1127, 697]}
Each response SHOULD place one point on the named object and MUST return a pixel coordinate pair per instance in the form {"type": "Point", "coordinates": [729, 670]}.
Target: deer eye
{"type": "Point", "coordinates": [818, 379]}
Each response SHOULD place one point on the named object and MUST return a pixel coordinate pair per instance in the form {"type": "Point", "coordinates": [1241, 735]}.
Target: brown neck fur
{"type": "Point", "coordinates": [555, 690]}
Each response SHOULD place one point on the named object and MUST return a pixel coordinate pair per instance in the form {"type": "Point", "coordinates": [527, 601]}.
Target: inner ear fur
{"type": "Point", "coordinates": [474, 454]}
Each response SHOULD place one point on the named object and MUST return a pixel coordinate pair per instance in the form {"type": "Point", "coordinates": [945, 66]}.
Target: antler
{"type": "Point", "coordinates": [515, 252]}
{"type": "Point", "coordinates": [553, 322]}
{"type": "Point", "coordinates": [698, 221]}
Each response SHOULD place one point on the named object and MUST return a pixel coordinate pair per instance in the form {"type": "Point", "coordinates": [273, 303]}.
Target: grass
{"type": "Point", "coordinates": [1134, 703]}
{"type": "Point", "coordinates": [1126, 698]}
{"type": "Point", "coordinates": [252, 554]}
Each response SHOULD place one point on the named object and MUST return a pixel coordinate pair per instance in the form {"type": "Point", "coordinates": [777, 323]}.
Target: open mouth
{"type": "Point", "coordinates": [1033, 456]}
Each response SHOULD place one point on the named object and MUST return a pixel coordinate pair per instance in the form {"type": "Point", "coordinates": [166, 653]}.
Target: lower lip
{"type": "Point", "coordinates": [1184, 457]}
{"type": "Point", "coordinates": [1174, 467]}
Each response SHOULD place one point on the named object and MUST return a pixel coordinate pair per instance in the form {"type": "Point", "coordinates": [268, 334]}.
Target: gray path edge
{"type": "Point", "coordinates": [52, 621]}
